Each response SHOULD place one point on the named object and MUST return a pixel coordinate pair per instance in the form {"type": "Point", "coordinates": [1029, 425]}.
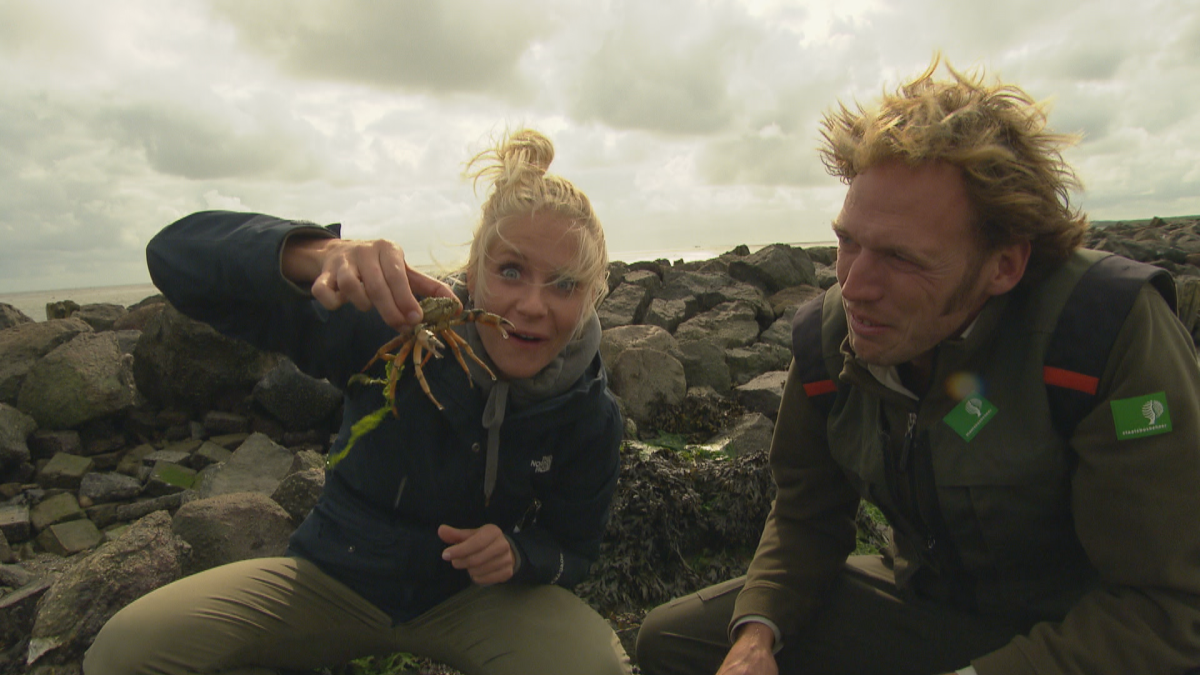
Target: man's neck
{"type": "Point", "coordinates": [917, 374]}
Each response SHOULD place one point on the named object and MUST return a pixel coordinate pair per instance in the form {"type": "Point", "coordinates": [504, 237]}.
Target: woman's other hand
{"type": "Point", "coordinates": [485, 553]}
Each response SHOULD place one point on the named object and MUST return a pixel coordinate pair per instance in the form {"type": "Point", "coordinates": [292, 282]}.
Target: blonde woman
{"type": "Point", "coordinates": [451, 533]}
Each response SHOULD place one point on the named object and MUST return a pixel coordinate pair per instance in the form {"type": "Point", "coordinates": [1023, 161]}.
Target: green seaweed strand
{"type": "Point", "coordinates": [360, 428]}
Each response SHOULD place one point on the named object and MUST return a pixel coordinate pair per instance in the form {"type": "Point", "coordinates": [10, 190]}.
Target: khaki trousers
{"type": "Point", "coordinates": [254, 616]}
{"type": "Point", "coordinates": [865, 628]}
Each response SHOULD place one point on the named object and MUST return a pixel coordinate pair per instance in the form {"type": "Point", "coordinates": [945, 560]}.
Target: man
{"type": "Point", "coordinates": [1024, 542]}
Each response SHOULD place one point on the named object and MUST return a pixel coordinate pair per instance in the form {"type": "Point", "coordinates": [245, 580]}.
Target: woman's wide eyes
{"type": "Point", "coordinates": [565, 285]}
{"type": "Point", "coordinates": [509, 272]}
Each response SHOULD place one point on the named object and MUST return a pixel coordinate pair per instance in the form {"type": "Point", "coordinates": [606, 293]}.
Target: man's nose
{"type": "Point", "coordinates": [863, 279]}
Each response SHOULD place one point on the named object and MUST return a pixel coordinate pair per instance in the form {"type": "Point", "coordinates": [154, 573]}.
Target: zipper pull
{"type": "Point", "coordinates": [909, 436]}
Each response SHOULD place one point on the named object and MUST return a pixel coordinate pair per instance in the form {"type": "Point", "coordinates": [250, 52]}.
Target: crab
{"type": "Point", "coordinates": [421, 340]}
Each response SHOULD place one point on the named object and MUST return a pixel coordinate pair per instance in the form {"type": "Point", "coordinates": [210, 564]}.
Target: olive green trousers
{"type": "Point", "coordinates": [255, 616]}
{"type": "Point", "coordinates": [865, 628]}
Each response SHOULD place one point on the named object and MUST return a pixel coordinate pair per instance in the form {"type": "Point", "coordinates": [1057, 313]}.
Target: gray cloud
{"type": "Point", "coordinates": [192, 143]}
{"type": "Point", "coordinates": [654, 73]}
{"type": "Point", "coordinates": [768, 158]}
{"type": "Point", "coordinates": [689, 124]}
{"type": "Point", "coordinates": [442, 47]}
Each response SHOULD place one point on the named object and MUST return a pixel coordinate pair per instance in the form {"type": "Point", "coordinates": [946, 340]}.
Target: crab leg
{"type": "Point", "coordinates": [420, 372]}
{"type": "Point", "coordinates": [458, 345]}
{"type": "Point", "coordinates": [383, 351]}
{"type": "Point", "coordinates": [486, 318]}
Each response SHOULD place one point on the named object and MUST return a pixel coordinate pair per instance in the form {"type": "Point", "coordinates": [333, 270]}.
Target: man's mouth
{"type": "Point", "coordinates": [863, 322]}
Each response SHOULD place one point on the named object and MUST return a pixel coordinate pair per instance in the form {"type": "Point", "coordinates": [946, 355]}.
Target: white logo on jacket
{"type": "Point", "coordinates": [542, 465]}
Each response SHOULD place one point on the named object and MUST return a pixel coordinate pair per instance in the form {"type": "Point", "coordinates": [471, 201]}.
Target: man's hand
{"type": "Point", "coordinates": [751, 652]}
{"type": "Point", "coordinates": [366, 274]}
{"type": "Point", "coordinates": [484, 552]}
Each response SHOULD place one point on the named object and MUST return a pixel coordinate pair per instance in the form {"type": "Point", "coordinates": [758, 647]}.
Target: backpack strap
{"type": "Point", "coordinates": [1087, 330]}
{"type": "Point", "coordinates": [809, 357]}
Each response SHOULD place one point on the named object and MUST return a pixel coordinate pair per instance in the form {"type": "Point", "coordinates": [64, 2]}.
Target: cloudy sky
{"type": "Point", "coordinates": [691, 124]}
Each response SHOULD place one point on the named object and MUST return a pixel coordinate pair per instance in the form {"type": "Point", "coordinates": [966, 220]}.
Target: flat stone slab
{"type": "Point", "coordinates": [14, 522]}
{"type": "Point", "coordinates": [71, 537]}
{"type": "Point", "coordinates": [53, 510]}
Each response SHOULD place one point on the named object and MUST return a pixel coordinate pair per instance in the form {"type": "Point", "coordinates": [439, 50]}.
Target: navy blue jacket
{"type": "Point", "coordinates": [375, 525]}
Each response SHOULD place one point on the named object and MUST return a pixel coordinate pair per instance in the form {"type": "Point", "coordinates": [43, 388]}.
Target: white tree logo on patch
{"type": "Point", "coordinates": [974, 406]}
{"type": "Point", "coordinates": [1151, 410]}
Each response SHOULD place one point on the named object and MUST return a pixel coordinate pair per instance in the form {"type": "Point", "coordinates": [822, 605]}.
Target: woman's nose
{"type": "Point", "coordinates": [533, 300]}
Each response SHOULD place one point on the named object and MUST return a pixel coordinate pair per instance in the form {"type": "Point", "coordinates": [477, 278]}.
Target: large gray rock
{"type": "Point", "coordinates": [232, 527]}
{"type": "Point", "coordinates": [297, 400]}
{"type": "Point", "coordinates": [11, 316]}
{"type": "Point", "coordinates": [778, 333]}
{"type": "Point", "coordinates": [102, 487]}
{"type": "Point", "coordinates": [731, 324]}
{"type": "Point", "coordinates": [80, 381]}
{"type": "Point", "coordinates": [624, 306]}
{"type": "Point", "coordinates": [710, 290]}
{"type": "Point", "coordinates": [647, 379]}
{"type": "Point", "coordinates": [704, 365]}
{"type": "Point", "coordinates": [15, 429]}
{"type": "Point", "coordinates": [775, 267]}
{"type": "Point", "coordinates": [258, 465]}
{"type": "Point", "coordinates": [763, 393]}
{"type": "Point", "coordinates": [752, 433]}
{"type": "Point", "coordinates": [21, 346]}
{"type": "Point", "coordinates": [668, 314]}
{"type": "Point", "coordinates": [747, 363]}
{"type": "Point", "coordinates": [298, 492]}
{"type": "Point", "coordinates": [616, 340]}
{"type": "Point", "coordinates": [785, 302]}
{"type": "Point", "coordinates": [181, 363]}
{"type": "Point", "coordinates": [86, 596]}
{"type": "Point", "coordinates": [101, 316]}
{"type": "Point", "coordinates": [1188, 290]}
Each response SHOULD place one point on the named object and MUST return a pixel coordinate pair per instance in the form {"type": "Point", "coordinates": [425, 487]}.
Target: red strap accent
{"type": "Point", "coordinates": [820, 387]}
{"type": "Point", "coordinates": [1070, 379]}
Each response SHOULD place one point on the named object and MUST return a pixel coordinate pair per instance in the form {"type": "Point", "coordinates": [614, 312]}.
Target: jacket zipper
{"type": "Point", "coordinates": [909, 475]}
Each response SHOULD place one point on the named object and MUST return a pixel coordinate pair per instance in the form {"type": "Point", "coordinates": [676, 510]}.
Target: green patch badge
{"type": "Point", "coordinates": [969, 416]}
{"type": "Point", "coordinates": [1141, 416]}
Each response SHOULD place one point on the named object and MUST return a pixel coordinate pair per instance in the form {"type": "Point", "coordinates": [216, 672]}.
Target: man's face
{"type": "Point", "coordinates": [911, 271]}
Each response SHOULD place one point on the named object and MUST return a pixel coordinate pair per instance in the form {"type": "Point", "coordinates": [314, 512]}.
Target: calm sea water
{"type": "Point", "coordinates": [33, 303]}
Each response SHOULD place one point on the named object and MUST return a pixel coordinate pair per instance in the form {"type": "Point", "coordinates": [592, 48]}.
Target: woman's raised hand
{"type": "Point", "coordinates": [365, 273]}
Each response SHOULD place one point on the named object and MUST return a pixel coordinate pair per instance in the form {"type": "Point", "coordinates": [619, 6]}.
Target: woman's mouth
{"type": "Point", "coordinates": [525, 337]}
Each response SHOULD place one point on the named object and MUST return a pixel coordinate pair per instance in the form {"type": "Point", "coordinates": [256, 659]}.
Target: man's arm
{"type": "Point", "coordinates": [810, 529]}
{"type": "Point", "coordinates": [1136, 503]}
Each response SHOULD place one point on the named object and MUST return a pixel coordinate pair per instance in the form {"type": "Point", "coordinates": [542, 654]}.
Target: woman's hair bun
{"type": "Point", "coordinates": [526, 147]}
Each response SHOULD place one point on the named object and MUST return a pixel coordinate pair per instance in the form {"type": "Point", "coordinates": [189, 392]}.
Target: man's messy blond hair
{"type": "Point", "coordinates": [996, 134]}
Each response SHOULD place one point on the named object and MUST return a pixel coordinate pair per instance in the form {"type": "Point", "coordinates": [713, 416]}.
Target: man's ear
{"type": "Point", "coordinates": [1009, 262]}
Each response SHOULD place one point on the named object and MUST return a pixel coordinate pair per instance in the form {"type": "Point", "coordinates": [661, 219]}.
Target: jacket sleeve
{"type": "Point", "coordinates": [810, 530]}
{"type": "Point", "coordinates": [560, 547]}
{"type": "Point", "coordinates": [224, 269]}
{"type": "Point", "coordinates": [1136, 504]}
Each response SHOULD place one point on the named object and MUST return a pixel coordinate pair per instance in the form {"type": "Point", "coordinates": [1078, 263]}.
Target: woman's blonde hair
{"type": "Point", "coordinates": [1017, 181]}
{"type": "Point", "coordinates": [520, 188]}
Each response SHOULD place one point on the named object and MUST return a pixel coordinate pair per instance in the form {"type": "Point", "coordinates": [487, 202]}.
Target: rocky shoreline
{"type": "Point", "coordinates": [138, 446]}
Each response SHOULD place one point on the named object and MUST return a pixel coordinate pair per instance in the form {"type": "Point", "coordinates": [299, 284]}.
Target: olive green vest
{"type": "Point", "coordinates": [981, 521]}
